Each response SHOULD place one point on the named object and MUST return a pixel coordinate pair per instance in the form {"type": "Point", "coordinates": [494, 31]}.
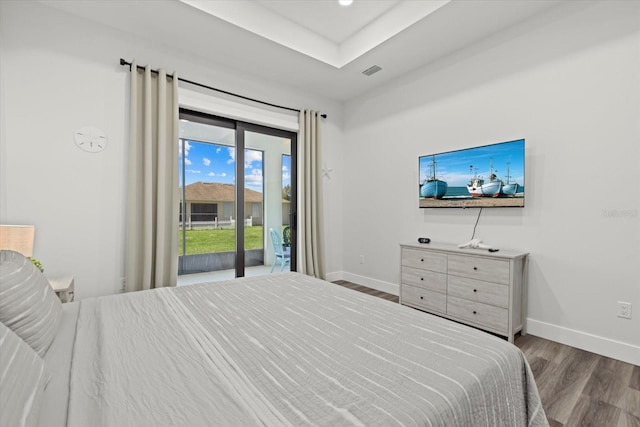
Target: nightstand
{"type": "Point", "coordinates": [63, 287]}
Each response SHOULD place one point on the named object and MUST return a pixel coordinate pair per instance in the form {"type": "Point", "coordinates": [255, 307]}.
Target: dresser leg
{"type": "Point", "coordinates": [525, 289]}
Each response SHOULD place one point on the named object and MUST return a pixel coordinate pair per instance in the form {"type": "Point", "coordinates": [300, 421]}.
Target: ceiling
{"type": "Point", "coordinates": [327, 18]}
{"type": "Point", "coordinates": [312, 45]}
{"type": "Point", "coordinates": [322, 29]}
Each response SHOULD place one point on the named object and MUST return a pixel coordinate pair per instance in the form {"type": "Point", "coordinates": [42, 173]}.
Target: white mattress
{"type": "Point", "coordinates": [288, 350]}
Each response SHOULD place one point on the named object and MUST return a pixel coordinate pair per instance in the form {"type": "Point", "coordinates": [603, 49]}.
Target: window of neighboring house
{"type": "Point", "coordinates": [256, 210]}
{"type": "Point", "coordinates": [206, 212]}
{"type": "Point", "coordinates": [228, 210]}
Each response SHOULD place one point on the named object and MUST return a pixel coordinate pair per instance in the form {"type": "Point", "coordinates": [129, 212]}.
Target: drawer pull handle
{"type": "Point", "coordinates": [475, 268]}
{"type": "Point", "coordinates": [421, 259]}
{"type": "Point", "coordinates": [474, 312]}
{"type": "Point", "coordinates": [421, 297]}
{"type": "Point", "coordinates": [475, 290]}
{"type": "Point", "coordinates": [422, 278]}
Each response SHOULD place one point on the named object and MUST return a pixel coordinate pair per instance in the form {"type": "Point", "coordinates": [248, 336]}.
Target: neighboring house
{"type": "Point", "coordinates": [213, 203]}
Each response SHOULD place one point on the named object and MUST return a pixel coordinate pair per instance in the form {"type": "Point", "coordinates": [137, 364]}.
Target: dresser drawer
{"type": "Point", "coordinates": [422, 298]}
{"type": "Point", "coordinates": [490, 270]}
{"type": "Point", "coordinates": [479, 291]}
{"type": "Point", "coordinates": [432, 261]}
{"type": "Point", "coordinates": [424, 279]}
{"type": "Point", "coordinates": [493, 317]}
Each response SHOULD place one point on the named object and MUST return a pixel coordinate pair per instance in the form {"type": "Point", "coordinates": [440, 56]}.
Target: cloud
{"type": "Point", "coordinates": [222, 174]}
{"type": "Point", "coordinates": [254, 180]}
{"type": "Point", "coordinates": [206, 161]}
{"type": "Point", "coordinates": [187, 162]}
{"type": "Point", "coordinates": [251, 156]}
{"type": "Point", "coordinates": [187, 147]}
{"type": "Point", "coordinates": [218, 150]}
{"type": "Point", "coordinates": [284, 168]}
{"type": "Point", "coordinates": [192, 171]}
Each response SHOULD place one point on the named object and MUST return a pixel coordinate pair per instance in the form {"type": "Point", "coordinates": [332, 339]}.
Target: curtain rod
{"type": "Point", "coordinates": [129, 64]}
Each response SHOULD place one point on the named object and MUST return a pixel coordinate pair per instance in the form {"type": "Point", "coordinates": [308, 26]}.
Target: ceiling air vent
{"type": "Point", "coordinates": [371, 70]}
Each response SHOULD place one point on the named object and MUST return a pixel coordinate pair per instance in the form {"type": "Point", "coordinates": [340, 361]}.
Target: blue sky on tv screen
{"type": "Point", "coordinates": [458, 167]}
{"type": "Point", "coordinates": [208, 162]}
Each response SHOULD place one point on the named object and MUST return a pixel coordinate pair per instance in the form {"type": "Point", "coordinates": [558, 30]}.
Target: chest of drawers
{"type": "Point", "coordinates": [471, 286]}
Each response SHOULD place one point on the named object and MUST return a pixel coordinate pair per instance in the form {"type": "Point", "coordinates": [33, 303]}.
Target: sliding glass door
{"type": "Point", "coordinates": [270, 183]}
{"type": "Point", "coordinates": [237, 182]}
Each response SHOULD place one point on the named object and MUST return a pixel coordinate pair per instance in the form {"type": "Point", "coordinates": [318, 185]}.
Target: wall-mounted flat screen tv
{"type": "Point", "coordinates": [486, 176]}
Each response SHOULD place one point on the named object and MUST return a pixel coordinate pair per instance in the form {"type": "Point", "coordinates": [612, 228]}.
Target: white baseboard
{"type": "Point", "coordinates": [333, 276]}
{"type": "Point", "coordinates": [593, 343]}
{"type": "Point", "coordinates": [378, 285]}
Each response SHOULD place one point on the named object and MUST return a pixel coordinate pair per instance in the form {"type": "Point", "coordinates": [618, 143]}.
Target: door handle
{"type": "Point", "coordinates": [293, 220]}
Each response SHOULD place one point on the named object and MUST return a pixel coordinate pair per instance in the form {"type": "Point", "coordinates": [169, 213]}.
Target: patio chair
{"type": "Point", "coordinates": [282, 254]}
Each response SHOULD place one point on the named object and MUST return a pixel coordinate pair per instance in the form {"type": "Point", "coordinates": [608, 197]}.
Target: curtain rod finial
{"type": "Point", "coordinates": [125, 63]}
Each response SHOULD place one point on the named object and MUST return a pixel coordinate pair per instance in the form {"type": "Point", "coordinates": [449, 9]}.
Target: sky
{"type": "Point", "coordinates": [216, 163]}
{"type": "Point", "coordinates": [458, 167]}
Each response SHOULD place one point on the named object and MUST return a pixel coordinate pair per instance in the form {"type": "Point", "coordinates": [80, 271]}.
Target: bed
{"type": "Point", "coordinates": [278, 350]}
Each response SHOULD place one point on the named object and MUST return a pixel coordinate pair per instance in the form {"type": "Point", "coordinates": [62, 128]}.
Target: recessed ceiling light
{"type": "Point", "coordinates": [345, 2]}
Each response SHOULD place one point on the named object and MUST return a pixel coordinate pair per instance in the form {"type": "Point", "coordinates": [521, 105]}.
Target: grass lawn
{"type": "Point", "coordinates": [206, 241]}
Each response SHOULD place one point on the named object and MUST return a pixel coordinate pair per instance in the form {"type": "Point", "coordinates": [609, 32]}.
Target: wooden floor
{"type": "Point", "coordinates": [577, 388]}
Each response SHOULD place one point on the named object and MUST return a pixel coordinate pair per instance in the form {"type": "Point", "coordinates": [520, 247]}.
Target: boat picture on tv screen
{"type": "Point", "coordinates": [486, 176]}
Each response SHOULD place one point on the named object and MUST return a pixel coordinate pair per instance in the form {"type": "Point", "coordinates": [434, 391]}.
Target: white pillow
{"type": "Point", "coordinates": [23, 378]}
{"type": "Point", "coordinates": [28, 305]}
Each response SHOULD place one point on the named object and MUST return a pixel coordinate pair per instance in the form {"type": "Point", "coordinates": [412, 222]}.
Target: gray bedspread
{"type": "Point", "coordinates": [288, 350]}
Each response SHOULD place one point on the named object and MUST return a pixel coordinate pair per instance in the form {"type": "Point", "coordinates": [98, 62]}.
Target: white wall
{"type": "Point", "coordinates": [59, 73]}
{"type": "Point", "coordinates": [567, 81]}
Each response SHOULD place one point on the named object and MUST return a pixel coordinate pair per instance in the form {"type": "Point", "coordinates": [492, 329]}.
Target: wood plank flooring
{"type": "Point", "coordinates": [369, 291]}
{"type": "Point", "coordinates": [577, 388]}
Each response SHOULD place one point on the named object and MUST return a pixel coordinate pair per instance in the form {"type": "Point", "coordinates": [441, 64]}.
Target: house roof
{"type": "Point", "coordinates": [218, 192]}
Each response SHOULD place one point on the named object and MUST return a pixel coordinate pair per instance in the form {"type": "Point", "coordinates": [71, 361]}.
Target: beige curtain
{"type": "Point", "coordinates": [310, 215]}
{"type": "Point", "coordinates": [151, 259]}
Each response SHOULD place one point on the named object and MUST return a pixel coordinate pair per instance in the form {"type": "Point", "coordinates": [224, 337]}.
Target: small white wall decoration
{"type": "Point", "coordinates": [326, 172]}
{"type": "Point", "coordinates": [90, 139]}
